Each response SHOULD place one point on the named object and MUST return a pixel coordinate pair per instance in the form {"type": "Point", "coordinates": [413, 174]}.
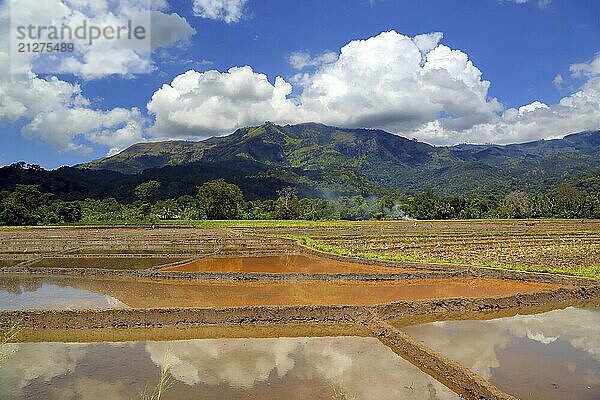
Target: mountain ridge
{"type": "Point", "coordinates": [324, 161]}
{"type": "Point", "coordinates": [305, 145]}
{"type": "Point", "coordinates": [267, 143]}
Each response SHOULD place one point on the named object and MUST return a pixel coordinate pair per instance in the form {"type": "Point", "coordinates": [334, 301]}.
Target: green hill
{"type": "Point", "coordinates": [324, 161]}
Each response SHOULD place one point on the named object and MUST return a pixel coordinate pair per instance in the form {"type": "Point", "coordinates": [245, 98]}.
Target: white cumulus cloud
{"type": "Point", "coordinates": [415, 87]}
{"type": "Point", "coordinates": [229, 11]}
{"type": "Point", "coordinates": [57, 112]}
{"type": "Point", "coordinates": [590, 68]}
{"type": "Point", "coordinates": [388, 81]}
{"type": "Point", "coordinates": [303, 59]}
{"type": "Point", "coordinates": [207, 103]}
{"type": "Point", "coordinates": [574, 113]}
{"type": "Point", "coordinates": [105, 57]}
{"type": "Point", "coordinates": [558, 81]}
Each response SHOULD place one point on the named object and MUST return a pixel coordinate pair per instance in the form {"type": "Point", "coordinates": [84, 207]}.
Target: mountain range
{"type": "Point", "coordinates": [324, 161]}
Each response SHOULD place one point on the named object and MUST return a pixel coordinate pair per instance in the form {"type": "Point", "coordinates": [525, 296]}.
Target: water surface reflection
{"type": "Point", "coordinates": [21, 292]}
{"type": "Point", "coordinates": [553, 355]}
{"type": "Point", "coordinates": [290, 368]}
{"type": "Point", "coordinates": [37, 293]}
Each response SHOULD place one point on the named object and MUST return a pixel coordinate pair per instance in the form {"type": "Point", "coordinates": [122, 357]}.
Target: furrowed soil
{"type": "Point", "coordinates": [553, 246]}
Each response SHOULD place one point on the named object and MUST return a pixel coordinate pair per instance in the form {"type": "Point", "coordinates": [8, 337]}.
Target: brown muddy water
{"type": "Point", "coordinates": [553, 355]}
{"type": "Point", "coordinates": [286, 263]}
{"type": "Point", "coordinates": [29, 292]}
{"type": "Point", "coordinates": [105, 262]}
{"type": "Point", "coordinates": [228, 369]}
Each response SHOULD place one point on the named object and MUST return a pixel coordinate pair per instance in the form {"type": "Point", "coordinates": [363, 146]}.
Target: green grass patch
{"type": "Point", "coordinates": [320, 224]}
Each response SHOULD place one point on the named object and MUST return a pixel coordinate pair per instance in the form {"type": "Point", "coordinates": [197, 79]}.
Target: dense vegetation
{"type": "Point", "coordinates": [313, 172]}
{"type": "Point", "coordinates": [323, 162]}
{"type": "Point", "coordinates": [218, 199]}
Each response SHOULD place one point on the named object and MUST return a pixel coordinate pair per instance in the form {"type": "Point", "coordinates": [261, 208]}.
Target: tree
{"type": "Point", "coordinates": [354, 208]}
{"type": "Point", "coordinates": [318, 209]}
{"type": "Point", "coordinates": [106, 210]}
{"type": "Point", "coordinates": [188, 208]}
{"type": "Point", "coordinates": [472, 208]}
{"type": "Point", "coordinates": [569, 201]}
{"type": "Point", "coordinates": [288, 204]}
{"type": "Point", "coordinates": [389, 206]}
{"type": "Point", "coordinates": [220, 200]}
{"type": "Point", "coordinates": [68, 212]}
{"type": "Point", "coordinates": [166, 209]}
{"type": "Point", "coordinates": [542, 206]}
{"type": "Point", "coordinates": [260, 209]}
{"type": "Point", "coordinates": [518, 204]}
{"type": "Point", "coordinates": [24, 205]}
{"type": "Point", "coordinates": [147, 191]}
{"type": "Point", "coordinates": [429, 205]}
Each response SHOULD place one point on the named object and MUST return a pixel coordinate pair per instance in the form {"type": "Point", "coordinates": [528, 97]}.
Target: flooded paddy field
{"type": "Point", "coordinates": [27, 292]}
{"type": "Point", "coordinates": [552, 355]}
{"type": "Point", "coordinates": [105, 262]}
{"type": "Point", "coordinates": [281, 263]}
{"type": "Point", "coordinates": [289, 310]}
{"type": "Point", "coordinates": [248, 368]}
{"type": "Point", "coordinates": [23, 293]}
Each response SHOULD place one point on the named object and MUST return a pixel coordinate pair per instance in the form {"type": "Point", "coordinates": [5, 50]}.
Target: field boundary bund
{"type": "Point", "coordinates": [158, 317]}
{"type": "Point", "coordinates": [449, 372]}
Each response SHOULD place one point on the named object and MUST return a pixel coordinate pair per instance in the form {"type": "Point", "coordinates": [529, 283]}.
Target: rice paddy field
{"type": "Point", "coordinates": [570, 247]}
{"type": "Point", "coordinates": [302, 310]}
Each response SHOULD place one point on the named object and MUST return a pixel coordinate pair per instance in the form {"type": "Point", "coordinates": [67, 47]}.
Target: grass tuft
{"type": "Point", "coordinates": [8, 336]}
{"type": "Point", "coordinates": [164, 382]}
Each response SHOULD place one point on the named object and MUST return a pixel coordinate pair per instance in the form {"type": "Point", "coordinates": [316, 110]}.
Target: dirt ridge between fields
{"type": "Point", "coordinates": [452, 374]}
{"type": "Point", "coordinates": [449, 372]}
{"type": "Point", "coordinates": [154, 273]}
{"type": "Point", "coordinates": [157, 317]}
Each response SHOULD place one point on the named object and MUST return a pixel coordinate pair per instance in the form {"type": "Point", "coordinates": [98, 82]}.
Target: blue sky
{"type": "Point", "coordinates": [520, 47]}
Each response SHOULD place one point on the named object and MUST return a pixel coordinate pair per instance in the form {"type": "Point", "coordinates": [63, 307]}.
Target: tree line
{"type": "Point", "coordinates": [220, 200]}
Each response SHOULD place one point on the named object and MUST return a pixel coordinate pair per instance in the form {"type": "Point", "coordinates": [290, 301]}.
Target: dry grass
{"type": "Point", "coordinates": [8, 336]}
{"type": "Point", "coordinates": [567, 247]}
